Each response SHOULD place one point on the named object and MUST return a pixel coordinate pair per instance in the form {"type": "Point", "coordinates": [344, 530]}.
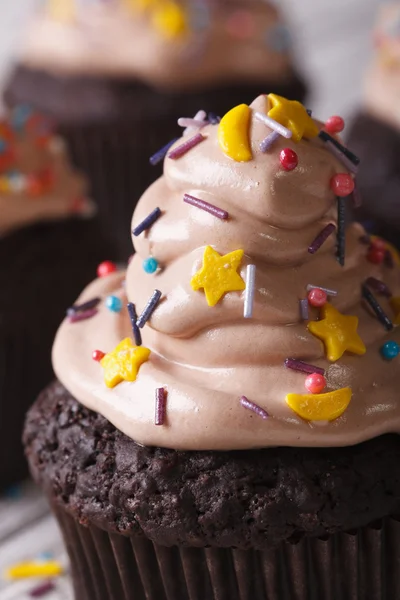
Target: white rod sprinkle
{"type": "Point", "coordinates": [186, 122]}
{"type": "Point", "coordinates": [201, 115]}
{"type": "Point", "coordinates": [283, 131]}
{"type": "Point", "coordinates": [310, 286]}
{"type": "Point", "coordinates": [249, 293]}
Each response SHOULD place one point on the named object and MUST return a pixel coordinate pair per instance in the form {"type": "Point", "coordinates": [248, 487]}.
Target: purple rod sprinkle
{"type": "Point", "coordinates": [81, 316]}
{"type": "Point", "coordinates": [213, 118]}
{"type": "Point", "coordinates": [246, 403]}
{"type": "Point", "coordinates": [161, 405]}
{"type": "Point", "coordinates": [149, 309]}
{"type": "Point", "coordinates": [321, 238]}
{"type": "Point", "coordinates": [324, 136]}
{"type": "Point", "coordinates": [379, 286]}
{"type": "Point", "coordinates": [377, 308]}
{"type": "Point", "coordinates": [77, 308]}
{"type": "Point", "coordinates": [42, 589]}
{"type": "Point", "coordinates": [298, 365]}
{"type": "Point", "coordinates": [341, 230]}
{"type": "Point", "coordinates": [210, 208]}
{"type": "Point", "coordinates": [186, 146]}
{"type": "Point", "coordinates": [160, 154]}
{"type": "Point", "coordinates": [304, 309]}
{"type": "Point", "coordinates": [135, 329]}
{"type": "Point", "coordinates": [269, 141]}
{"type": "Point", "coordinates": [147, 222]}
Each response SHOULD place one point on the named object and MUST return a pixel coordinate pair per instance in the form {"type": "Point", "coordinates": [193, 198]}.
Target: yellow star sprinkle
{"type": "Point", "coordinates": [293, 115]}
{"type": "Point", "coordinates": [123, 363]}
{"type": "Point", "coordinates": [169, 19]}
{"type": "Point", "coordinates": [63, 11]}
{"type": "Point", "coordinates": [338, 332]}
{"type": "Point", "coordinates": [320, 407]}
{"type": "Point", "coordinates": [395, 304]}
{"type": "Point", "coordinates": [218, 275]}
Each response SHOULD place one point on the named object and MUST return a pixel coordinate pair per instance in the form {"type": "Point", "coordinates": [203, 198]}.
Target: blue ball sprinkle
{"type": "Point", "coordinates": [278, 39]}
{"type": "Point", "coordinates": [390, 350]}
{"type": "Point", "coordinates": [114, 303]}
{"type": "Point", "coordinates": [150, 265]}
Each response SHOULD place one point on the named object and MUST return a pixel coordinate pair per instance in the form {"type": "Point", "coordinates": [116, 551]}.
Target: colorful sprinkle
{"type": "Point", "coordinates": [147, 222]}
{"type": "Point", "coordinates": [269, 141]}
{"type": "Point", "coordinates": [325, 137]}
{"type": "Point", "coordinates": [234, 134]}
{"type": "Point", "coordinates": [123, 363]}
{"type": "Point", "coordinates": [249, 292]}
{"type": "Point", "coordinates": [341, 231]}
{"type": "Point", "coordinates": [342, 184]}
{"type": "Point", "coordinates": [317, 297]}
{"type": "Point", "coordinates": [188, 122]}
{"type": "Point", "coordinates": [288, 159]}
{"type": "Point", "coordinates": [390, 350]}
{"type": "Point", "coordinates": [206, 206]}
{"type": "Point", "coordinates": [97, 355]}
{"type": "Point", "coordinates": [274, 125]}
{"type": "Point", "coordinates": [114, 303]}
{"type": "Point", "coordinates": [241, 24]}
{"type": "Point", "coordinates": [376, 307]}
{"type": "Point", "coordinates": [293, 116]}
{"type": "Point", "coordinates": [320, 407]}
{"type": "Point", "coordinates": [315, 383]}
{"type": "Point", "coordinates": [376, 255]}
{"type": "Point", "coordinates": [302, 367]}
{"type": "Point", "coordinates": [341, 157]}
{"type": "Point", "coordinates": [82, 316]}
{"type": "Point", "coordinates": [42, 589]}
{"type": "Point", "coordinates": [218, 275]}
{"type": "Point", "coordinates": [76, 308]}
{"type": "Point", "coordinates": [186, 146]}
{"type": "Point", "coordinates": [161, 406]}
{"type": "Point", "coordinates": [106, 268]}
{"type": "Point", "coordinates": [334, 124]}
{"type": "Point", "coordinates": [330, 292]}
{"type": "Point", "coordinates": [304, 309]}
{"type": "Point", "coordinates": [213, 118]}
{"type": "Point", "coordinates": [135, 329]}
{"type": "Point", "coordinates": [365, 239]}
{"type": "Point", "coordinates": [338, 332]}
{"type": "Point", "coordinates": [150, 265]}
{"type": "Point", "coordinates": [246, 403]}
{"type": "Point", "coordinates": [321, 238]}
{"type": "Point", "coordinates": [149, 309]}
{"type": "Point", "coordinates": [160, 154]}
{"type": "Point", "coordinates": [23, 570]}
{"type": "Point", "coordinates": [378, 286]}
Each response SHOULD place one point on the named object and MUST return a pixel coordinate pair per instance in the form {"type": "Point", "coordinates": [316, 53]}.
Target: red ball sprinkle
{"type": "Point", "coordinates": [289, 159]}
{"type": "Point", "coordinates": [97, 355]}
{"type": "Point", "coordinates": [317, 297]}
{"type": "Point", "coordinates": [376, 255]}
{"type": "Point", "coordinates": [342, 184]}
{"type": "Point", "coordinates": [334, 124]}
{"type": "Point", "coordinates": [315, 383]}
{"type": "Point", "coordinates": [378, 244]}
{"type": "Point", "coordinates": [105, 268]}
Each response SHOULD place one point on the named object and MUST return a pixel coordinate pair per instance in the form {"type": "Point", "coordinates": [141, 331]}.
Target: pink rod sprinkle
{"type": "Point", "coordinates": [42, 589]}
{"type": "Point", "coordinates": [321, 238]}
{"type": "Point", "coordinates": [161, 405]}
{"type": "Point", "coordinates": [298, 365]}
{"type": "Point", "coordinates": [246, 403]}
{"type": "Point", "coordinates": [210, 208]}
{"type": "Point", "coordinates": [87, 314]}
{"type": "Point", "coordinates": [341, 157]}
{"type": "Point", "coordinates": [186, 146]}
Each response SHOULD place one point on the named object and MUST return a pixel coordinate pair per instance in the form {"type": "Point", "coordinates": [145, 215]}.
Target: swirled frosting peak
{"type": "Point", "coordinates": [218, 292]}
{"type": "Point", "coordinates": [37, 183]}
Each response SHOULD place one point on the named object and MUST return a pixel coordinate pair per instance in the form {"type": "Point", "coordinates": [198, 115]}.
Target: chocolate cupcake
{"type": "Point", "coordinates": [116, 76]}
{"type": "Point", "coordinates": [47, 251]}
{"type": "Point", "coordinates": [187, 461]}
{"type": "Point", "coordinates": [375, 132]}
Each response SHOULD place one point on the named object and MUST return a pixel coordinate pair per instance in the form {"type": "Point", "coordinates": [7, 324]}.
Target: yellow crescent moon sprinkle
{"type": "Point", "coordinates": [320, 407]}
{"type": "Point", "coordinates": [233, 133]}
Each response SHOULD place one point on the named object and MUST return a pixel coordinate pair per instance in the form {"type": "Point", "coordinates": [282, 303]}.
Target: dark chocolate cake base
{"type": "Point", "coordinates": [113, 126]}
{"type": "Point", "coordinates": [378, 179]}
{"type": "Point", "coordinates": [270, 524]}
{"type": "Point", "coordinates": [43, 269]}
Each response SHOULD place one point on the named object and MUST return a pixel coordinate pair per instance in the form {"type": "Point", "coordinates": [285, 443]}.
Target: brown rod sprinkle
{"type": "Point", "coordinates": [161, 406]}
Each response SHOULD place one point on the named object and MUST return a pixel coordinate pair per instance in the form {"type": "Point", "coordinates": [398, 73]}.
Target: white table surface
{"type": "Point", "coordinates": [332, 46]}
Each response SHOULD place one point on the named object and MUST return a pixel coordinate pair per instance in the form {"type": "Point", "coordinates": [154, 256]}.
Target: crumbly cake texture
{"type": "Point", "coordinates": [244, 499]}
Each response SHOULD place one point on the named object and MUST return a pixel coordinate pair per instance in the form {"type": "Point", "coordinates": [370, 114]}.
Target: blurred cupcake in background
{"type": "Point", "coordinates": [116, 75]}
{"type": "Point", "coordinates": [375, 133]}
{"type": "Point", "coordinates": [48, 248]}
